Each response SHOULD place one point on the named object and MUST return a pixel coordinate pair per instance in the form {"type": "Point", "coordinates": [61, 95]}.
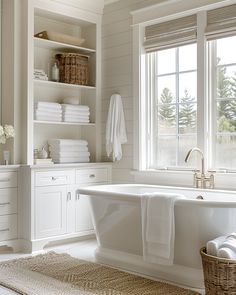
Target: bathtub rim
{"type": "Point", "coordinates": [95, 191]}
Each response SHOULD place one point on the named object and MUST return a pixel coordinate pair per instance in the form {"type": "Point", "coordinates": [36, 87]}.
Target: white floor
{"type": "Point", "coordinates": [82, 249]}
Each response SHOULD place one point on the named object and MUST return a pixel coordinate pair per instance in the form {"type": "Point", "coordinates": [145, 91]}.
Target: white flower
{"type": "Point", "coordinates": [2, 132]}
{"type": "Point", "coordinates": [3, 139]}
{"type": "Point", "coordinates": [9, 131]}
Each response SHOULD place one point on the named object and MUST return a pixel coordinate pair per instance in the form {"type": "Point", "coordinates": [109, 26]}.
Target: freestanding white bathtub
{"type": "Point", "coordinates": [116, 211]}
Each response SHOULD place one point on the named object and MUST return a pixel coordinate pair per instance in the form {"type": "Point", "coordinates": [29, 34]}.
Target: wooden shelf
{"type": "Point", "coordinates": [53, 45]}
{"type": "Point", "coordinates": [62, 85]}
{"type": "Point", "coordinates": [63, 123]}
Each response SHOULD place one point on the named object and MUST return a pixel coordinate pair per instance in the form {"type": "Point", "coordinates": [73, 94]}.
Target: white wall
{"type": "Point", "coordinates": [117, 73]}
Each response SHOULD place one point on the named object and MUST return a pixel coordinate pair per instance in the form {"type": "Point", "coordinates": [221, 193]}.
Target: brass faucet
{"type": "Point", "coordinates": [202, 179]}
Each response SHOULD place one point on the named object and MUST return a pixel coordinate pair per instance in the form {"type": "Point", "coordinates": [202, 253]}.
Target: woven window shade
{"type": "Point", "coordinates": [171, 34]}
{"type": "Point", "coordinates": [221, 22]}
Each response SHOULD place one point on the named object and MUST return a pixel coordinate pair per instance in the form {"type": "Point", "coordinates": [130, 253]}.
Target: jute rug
{"type": "Point", "coordinates": [61, 274]}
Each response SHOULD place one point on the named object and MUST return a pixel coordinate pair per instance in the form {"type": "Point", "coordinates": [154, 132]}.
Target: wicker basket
{"type": "Point", "coordinates": [219, 274]}
{"type": "Point", "coordinates": [73, 68]}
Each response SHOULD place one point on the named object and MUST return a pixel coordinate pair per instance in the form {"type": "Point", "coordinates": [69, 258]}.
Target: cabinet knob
{"type": "Point", "coordinates": [54, 178]}
{"type": "Point", "coordinates": [4, 204]}
{"type": "Point", "coordinates": [4, 230]}
{"type": "Point", "coordinates": [77, 195]}
{"type": "Point", "coordinates": [92, 176]}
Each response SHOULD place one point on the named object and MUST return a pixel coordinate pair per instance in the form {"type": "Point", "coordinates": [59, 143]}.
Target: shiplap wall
{"type": "Point", "coordinates": [117, 73]}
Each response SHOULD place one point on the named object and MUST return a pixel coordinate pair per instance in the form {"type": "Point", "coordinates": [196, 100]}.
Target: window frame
{"type": "Point", "coordinates": [204, 89]}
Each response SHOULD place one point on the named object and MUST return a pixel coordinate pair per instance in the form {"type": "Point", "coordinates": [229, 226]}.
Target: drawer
{"type": "Point", "coordinates": [8, 227]}
{"type": "Point", "coordinates": [8, 179]}
{"type": "Point", "coordinates": [54, 178]}
{"type": "Point", "coordinates": [8, 201]}
{"type": "Point", "coordinates": [91, 175]}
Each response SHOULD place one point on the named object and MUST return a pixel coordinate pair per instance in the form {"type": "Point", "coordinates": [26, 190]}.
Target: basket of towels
{"type": "Point", "coordinates": [219, 265]}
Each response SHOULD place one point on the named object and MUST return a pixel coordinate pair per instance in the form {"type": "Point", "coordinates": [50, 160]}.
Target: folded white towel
{"type": "Point", "coordinates": [226, 253]}
{"type": "Point", "coordinates": [48, 118]}
{"type": "Point", "coordinates": [71, 120]}
{"type": "Point", "coordinates": [83, 117]}
{"type": "Point", "coordinates": [66, 149]}
{"type": "Point", "coordinates": [158, 227]}
{"type": "Point", "coordinates": [52, 105]}
{"type": "Point", "coordinates": [68, 142]}
{"type": "Point", "coordinates": [76, 112]}
{"type": "Point", "coordinates": [47, 110]}
{"type": "Point", "coordinates": [71, 160]}
{"type": "Point", "coordinates": [74, 107]}
{"type": "Point", "coordinates": [214, 245]}
{"type": "Point", "coordinates": [56, 113]}
{"type": "Point", "coordinates": [68, 155]}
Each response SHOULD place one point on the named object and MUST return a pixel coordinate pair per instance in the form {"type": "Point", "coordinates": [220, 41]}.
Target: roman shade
{"type": "Point", "coordinates": [171, 33]}
{"type": "Point", "coordinates": [221, 22]}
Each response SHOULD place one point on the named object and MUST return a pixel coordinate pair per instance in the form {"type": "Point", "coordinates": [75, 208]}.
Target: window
{"type": "Point", "coordinates": [223, 75]}
{"type": "Point", "coordinates": [174, 105]}
{"type": "Point", "coordinates": [184, 108]}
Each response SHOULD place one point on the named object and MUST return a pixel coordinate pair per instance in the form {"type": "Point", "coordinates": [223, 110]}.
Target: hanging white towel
{"type": "Point", "coordinates": [115, 128]}
{"type": "Point", "coordinates": [158, 227]}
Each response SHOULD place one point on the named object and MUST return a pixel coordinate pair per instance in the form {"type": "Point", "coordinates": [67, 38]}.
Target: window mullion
{"type": "Point", "coordinates": [177, 106]}
{"type": "Point", "coordinates": [201, 83]}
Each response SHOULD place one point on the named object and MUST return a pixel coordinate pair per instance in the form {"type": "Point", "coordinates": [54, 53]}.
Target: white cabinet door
{"type": "Point", "coordinates": [50, 211]}
{"type": "Point", "coordinates": [83, 214]}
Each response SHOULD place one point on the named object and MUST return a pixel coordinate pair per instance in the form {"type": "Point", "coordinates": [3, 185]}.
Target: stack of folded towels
{"type": "Point", "coordinates": [69, 151]}
{"type": "Point", "coordinates": [48, 111]}
{"type": "Point", "coordinates": [40, 75]}
{"type": "Point", "coordinates": [223, 247]}
{"type": "Point", "coordinates": [75, 113]}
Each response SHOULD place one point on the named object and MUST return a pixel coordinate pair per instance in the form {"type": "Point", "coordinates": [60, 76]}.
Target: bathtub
{"type": "Point", "coordinates": [116, 213]}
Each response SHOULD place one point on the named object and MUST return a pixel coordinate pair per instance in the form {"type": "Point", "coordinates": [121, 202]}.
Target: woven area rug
{"type": "Point", "coordinates": [61, 274]}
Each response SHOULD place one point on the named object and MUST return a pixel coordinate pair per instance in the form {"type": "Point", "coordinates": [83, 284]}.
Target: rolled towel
{"type": "Point", "coordinates": [226, 253]}
{"type": "Point", "coordinates": [232, 235]}
{"type": "Point", "coordinates": [214, 245]}
{"type": "Point", "coordinates": [230, 243]}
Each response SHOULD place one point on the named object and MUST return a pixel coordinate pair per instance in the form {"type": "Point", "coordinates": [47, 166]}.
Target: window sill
{"type": "Point", "coordinates": [223, 180]}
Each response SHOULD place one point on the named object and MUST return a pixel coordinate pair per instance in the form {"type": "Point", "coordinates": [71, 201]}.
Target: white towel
{"type": "Point", "coordinates": [66, 149]}
{"type": "Point", "coordinates": [48, 118]}
{"type": "Point", "coordinates": [230, 243]}
{"type": "Point", "coordinates": [68, 142]}
{"type": "Point", "coordinates": [214, 245]}
{"type": "Point", "coordinates": [83, 117]}
{"type": "Point", "coordinates": [54, 113]}
{"type": "Point", "coordinates": [69, 154]}
{"type": "Point", "coordinates": [115, 128]}
{"type": "Point", "coordinates": [71, 120]}
{"type": "Point", "coordinates": [51, 105]}
{"type": "Point", "coordinates": [73, 107]}
{"type": "Point", "coordinates": [47, 110]}
{"type": "Point", "coordinates": [71, 160]}
{"type": "Point", "coordinates": [75, 113]}
{"type": "Point", "coordinates": [158, 227]}
{"type": "Point", "coordinates": [226, 253]}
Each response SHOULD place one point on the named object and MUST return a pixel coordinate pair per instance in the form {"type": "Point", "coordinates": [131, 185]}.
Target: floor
{"type": "Point", "coordinates": [82, 249]}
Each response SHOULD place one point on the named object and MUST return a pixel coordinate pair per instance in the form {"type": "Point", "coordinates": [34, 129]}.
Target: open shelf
{"type": "Point", "coordinates": [63, 85]}
{"type": "Point", "coordinates": [63, 123]}
{"type": "Point", "coordinates": [53, 45]}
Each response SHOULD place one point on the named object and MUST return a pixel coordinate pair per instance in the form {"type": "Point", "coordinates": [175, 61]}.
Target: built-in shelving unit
{"type": "Point", "coordinates": [79, 24]}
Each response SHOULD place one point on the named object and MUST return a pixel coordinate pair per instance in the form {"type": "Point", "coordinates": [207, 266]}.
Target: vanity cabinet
{"type": "Point", "coordinates": [56, 211]}
{"type": "Point", "coordinates": [8, 207]}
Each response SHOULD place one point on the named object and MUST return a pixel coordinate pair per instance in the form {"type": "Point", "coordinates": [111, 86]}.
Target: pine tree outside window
{"type": "Point", "coordinates": [174, 106]}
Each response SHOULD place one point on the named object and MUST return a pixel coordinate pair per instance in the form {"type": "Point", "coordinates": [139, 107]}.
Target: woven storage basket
{"type": "Point", "coordinates": [73, 68]}
{"type": "Point", "coordinates": [219, 274]}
